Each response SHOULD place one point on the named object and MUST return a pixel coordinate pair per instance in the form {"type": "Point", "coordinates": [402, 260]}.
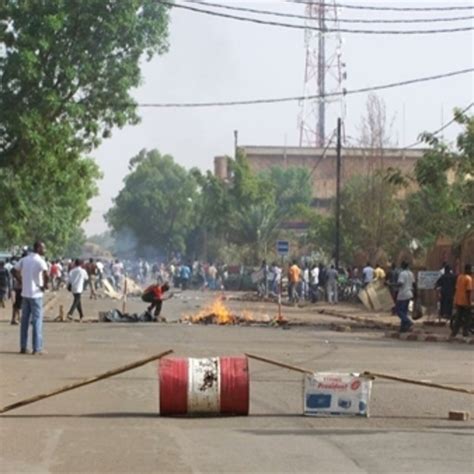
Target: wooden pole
{"type": "Point", "coordinates": [87, 381]}
{"type": "Point", "coordinates": [279, 364]}
{"type": "Point", "coordinates": [281, 291]}
{"type": "Point", "coordinates": [338, 194]}
{"type": "Point", "coordinates": [124, 302]}
{"type": "Point", "coordinates": [418, 382]}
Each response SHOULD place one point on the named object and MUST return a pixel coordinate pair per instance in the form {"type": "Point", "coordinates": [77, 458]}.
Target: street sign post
{"type": "Point", "coordinates": [283, 247]}
{"type": "Point", "coordinates": [427, 280]}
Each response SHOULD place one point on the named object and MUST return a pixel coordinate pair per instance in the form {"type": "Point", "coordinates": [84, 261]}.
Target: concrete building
{"type": "Point", "coordinates": [322, 166]}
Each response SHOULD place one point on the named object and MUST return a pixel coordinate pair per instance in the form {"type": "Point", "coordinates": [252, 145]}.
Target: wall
{"type": "Point", "coordinates": [355, 161]}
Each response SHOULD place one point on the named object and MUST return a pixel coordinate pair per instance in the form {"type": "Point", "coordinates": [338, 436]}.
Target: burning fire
{"type": "Point", "coordinates": [216, 313]}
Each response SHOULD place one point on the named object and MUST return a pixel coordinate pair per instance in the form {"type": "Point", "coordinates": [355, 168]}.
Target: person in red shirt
{"type": "Point", "coordinates": [55, 275]}
{"type": "Point", "coordinates": [154, 294]}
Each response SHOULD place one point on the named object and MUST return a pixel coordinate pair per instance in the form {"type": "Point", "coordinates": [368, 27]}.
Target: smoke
{"type": "Point", "coordinates": [127, 245]}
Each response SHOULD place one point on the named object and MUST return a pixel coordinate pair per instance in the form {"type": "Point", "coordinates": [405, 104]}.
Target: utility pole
{"type": "Point", "coordinates": [236, 143]}
{"type": "Point", "coordinates": [338, 193]}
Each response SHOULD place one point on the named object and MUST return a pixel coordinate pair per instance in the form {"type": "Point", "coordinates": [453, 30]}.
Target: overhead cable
{"type": "Point", "coordinates": [305, 97]}
{"type": "Point", "coordinates": [340, 20]}
{"type": "Point", "coordinates": [304, 27]}
{"type": "Point", "coordinates": [397, 9]}
{"type": "Point", "coordinates": [323, 154]}
{"type": "Point", "coordinates": [442, 128]}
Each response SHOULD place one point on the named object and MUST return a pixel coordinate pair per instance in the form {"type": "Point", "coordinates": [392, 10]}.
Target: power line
{"type": "Point", "coordinates": [442, 128]}
{"type": "Point", "coordinates": [323, 154]}
{"type": "Point", "coordinates": [398, 9]}
{"type": "Point", "coordinates": [436, 132]}
{"type": "Point", "coordinates": [304, 27]}
{"type": "Point", "coordinates": [298, 98]}
{"type": "Point", "coordinates": [341, 20]}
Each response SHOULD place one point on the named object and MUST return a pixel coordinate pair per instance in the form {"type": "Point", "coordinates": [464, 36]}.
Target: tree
{"type": "Point", "coordinates": [156, 204]}
{"type": "Point", "coordinates": [444, 201]}
{"type": "Point", "coordinates": [66, 71]}
{"type": "Point", "coordinates": [291, 188]}
{"type": "Point", "coordinates": [47, 200]}
{"type": "Point", "coordinates": [376, 136]}
{"type": "Point", "coordinates": [359, 232]}
{"type": "Point", "coordinates": [256, 226]}
{"type": "Point", "coordinates": [211, 211]}
{"type": "Point", "coordinates": [259, 203]}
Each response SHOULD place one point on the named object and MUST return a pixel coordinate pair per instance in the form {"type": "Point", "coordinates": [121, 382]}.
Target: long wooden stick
{"type": "Point", "coordinates": [87, 381]}
{"type": "Point", "coordinates": [367, 374]}
{"type": "Point", "coordinates": [279, 364]}
{"type": "Point", "coordinates": [418, 382]}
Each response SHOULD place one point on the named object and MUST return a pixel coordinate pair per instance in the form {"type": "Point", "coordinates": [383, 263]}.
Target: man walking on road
{"type": "Point", "coordinates": [77, 278]}
{"type": "Point", "coordinates": [406, 282]}
{"type": "Point", "coordinates": [34, 277]}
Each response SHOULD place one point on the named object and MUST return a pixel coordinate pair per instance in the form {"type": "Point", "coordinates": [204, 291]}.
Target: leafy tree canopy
{"type": "Point", "coordinates": [444, 201]}
{"type": "Point", "coordinates": [156, 204]}
{"type": "Point", "coordinates": [66, 71]}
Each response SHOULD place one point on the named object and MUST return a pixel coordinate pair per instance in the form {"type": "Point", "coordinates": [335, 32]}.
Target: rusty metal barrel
{"type": "Point", "coordinates": [214, 385]}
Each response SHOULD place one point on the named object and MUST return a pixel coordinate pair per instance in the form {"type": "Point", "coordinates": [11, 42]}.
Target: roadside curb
{"type": "Point", "coordinates": [369, 322]}
{"type": "Point", "coordinates": [427, 337]}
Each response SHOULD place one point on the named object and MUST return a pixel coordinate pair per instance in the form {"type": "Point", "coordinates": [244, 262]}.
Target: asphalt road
{"type": "Point", "coordinates": [114, 425]}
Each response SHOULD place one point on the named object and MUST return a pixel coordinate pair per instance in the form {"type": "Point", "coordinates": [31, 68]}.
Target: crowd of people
{"type": "Point", "coordinates": [25, 278]}
{"type": "Point", "coordinates": [317, 282]}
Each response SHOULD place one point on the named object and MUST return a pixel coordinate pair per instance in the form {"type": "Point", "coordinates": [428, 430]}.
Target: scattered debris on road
{"type": "Point", "coordinates": [459, 415]}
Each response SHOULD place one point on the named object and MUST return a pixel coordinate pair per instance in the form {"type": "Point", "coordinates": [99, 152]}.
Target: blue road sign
{"type": "Point", "coordinates": [283, 247]}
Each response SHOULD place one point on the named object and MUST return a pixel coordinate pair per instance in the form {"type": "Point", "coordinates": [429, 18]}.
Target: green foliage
{"type": "Point", "coordinates": [47, 200]}
{"type": "Point", "coordinates": [156, 204]}
{"type": "Point", "coordinates": [259, 203]}
{"type": "Point", "coordinates": [166, 207]}
{"type": "Point", "coordinates": [246, 187]}
{"type": "Point", "coordinates": [66, 71]}
{"type": "Point", "coordinates": [291, 188]}
{"type": "Point", "coordinates": [371, 219]}
{"type": "Point", "coordinates": [75, 242]}
{"type": "Point", "coordinates": [444, 201]}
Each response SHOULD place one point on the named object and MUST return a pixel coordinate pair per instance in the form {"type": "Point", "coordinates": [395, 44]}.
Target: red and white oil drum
{"type": "Point", "coordinates": [215, 385]}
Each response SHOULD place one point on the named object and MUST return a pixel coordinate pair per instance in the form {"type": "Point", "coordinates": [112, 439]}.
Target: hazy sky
{"type": "Point", "coordinates": [216, 59]}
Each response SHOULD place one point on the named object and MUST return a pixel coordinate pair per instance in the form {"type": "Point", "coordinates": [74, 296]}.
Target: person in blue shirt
{"type": "Point", "coordinates": [184, 276]}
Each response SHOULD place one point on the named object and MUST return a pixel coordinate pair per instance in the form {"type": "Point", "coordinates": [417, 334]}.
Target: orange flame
{"type": "Point", "coordinates": [216, 313]}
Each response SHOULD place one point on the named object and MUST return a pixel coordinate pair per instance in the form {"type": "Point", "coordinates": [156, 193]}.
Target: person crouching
{"type": "Point", "coordinates": [154, 294]}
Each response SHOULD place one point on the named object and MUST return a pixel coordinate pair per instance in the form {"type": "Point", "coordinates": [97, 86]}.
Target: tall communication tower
{"type": "Point", "coordinates": [324, 71]}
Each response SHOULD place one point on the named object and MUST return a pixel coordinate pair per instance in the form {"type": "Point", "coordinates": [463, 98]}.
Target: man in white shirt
{"type": "Point", "coordinates": [117, 273]}
{"type": "Point", "coordinates": [276, 270]}
{"type": "Point", "coordinates": [77, 277]}
{"type": "Point", "coordinates": [314, 283]}
{"type": "Point", "coordinates": [33, 271]}
{"type": "Point", "coordinates": [100, 274]}
{"type": "Point", "coordinates": [367, 274]}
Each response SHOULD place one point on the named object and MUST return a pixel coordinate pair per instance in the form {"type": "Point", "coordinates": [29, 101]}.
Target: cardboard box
{"type": "Point", "coordinates": [327, 393]}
